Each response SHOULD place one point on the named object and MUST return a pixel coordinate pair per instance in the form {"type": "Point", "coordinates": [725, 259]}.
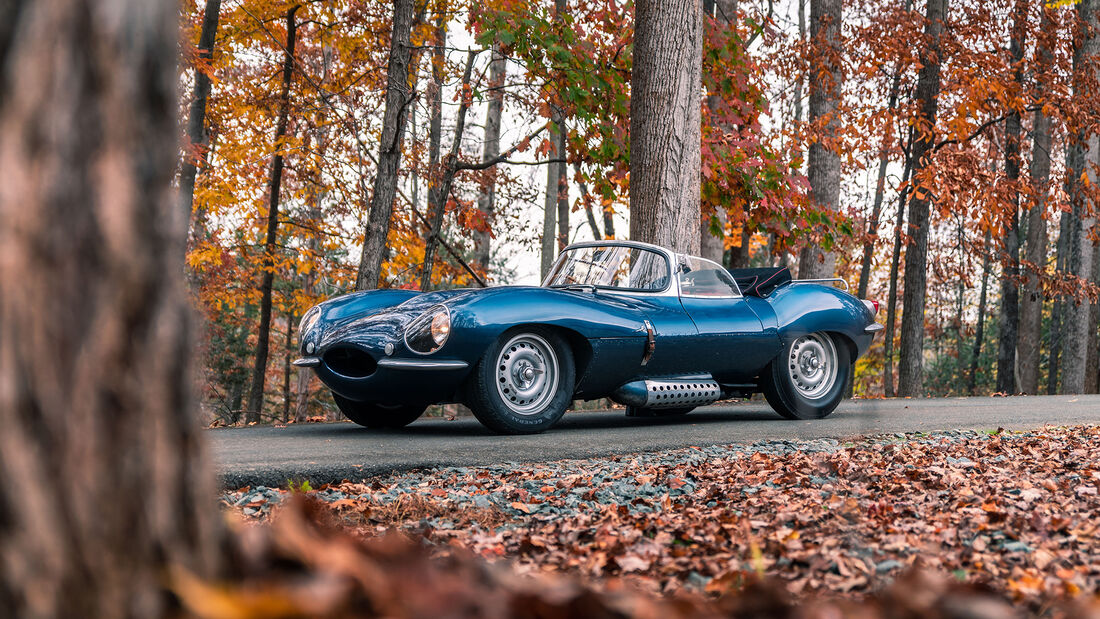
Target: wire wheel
{"type": "Point", "coordinates": [527, 374]}
{"type": "Point", "coordinates": [813, 365]}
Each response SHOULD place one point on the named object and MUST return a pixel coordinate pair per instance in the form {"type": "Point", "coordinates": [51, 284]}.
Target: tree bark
{"type": "Point", "coordinates": [1079, 313]}
{"type": "Point", "coordinates": [550, 209]}
{"type": "Point", "coordinates": [823, 165]}
{"type": "Point", "coordinates": [910, 365]}
{"type": "Point", "coordinates": [398, 98]}
{"type": "Point", "coordinates": [979, 327]}
{"type": "Point", "coordinates": [288, 350]}
{"type": "Point", "coordinates": [1031, 304]}
{"type": "Point", "coordinates": [880, 188]}
{"type": "Point", "coordinates": [106, 486]}
{"type": "Point", "coordinates": [490, 150]}
{"type": "Point", "coordinates": [563, 186]}
{"type": "Point", "coordinates": [197, 136]}
{"type": "Point", "coordinates": [895, 261]}
{"type": "Point", "coordinates": [1010, 268]}
{"type": "Point", "coordinates": [443, 190]}
{"type": "Point", "coordinates": [712, 246]}
{"type": "Point", "coordinates": [665, 107]}
{"type": "Point", "coordinates": [267, 280]}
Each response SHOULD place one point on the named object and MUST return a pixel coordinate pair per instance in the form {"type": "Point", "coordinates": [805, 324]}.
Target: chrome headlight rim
{"type": "Point", "coordinates": [422, 330]}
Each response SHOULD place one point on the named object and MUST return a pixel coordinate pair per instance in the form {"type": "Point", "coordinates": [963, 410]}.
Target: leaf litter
{"type": "Point", "coordinates": [1003, 519]}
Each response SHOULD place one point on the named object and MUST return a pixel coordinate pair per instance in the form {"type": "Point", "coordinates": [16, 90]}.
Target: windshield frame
{"type": "Point", "coordinates": [670, 285]}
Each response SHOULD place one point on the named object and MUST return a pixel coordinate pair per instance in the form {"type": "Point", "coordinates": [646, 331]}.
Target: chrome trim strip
{"type": "Point", "coordinates": [422, 364]}
{"type": "Point", "coordinates": [874, 328]}
{"type": "Point", "coordinates": [307, 362]}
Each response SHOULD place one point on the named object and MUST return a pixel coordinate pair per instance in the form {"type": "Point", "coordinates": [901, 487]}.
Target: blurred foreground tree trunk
{"type": "Point", "coordinates": [106, 487]}
{"type": "Point", "coordinates": [823, 164]}
{"type": "Point", "coordinates": [665, 102]}
{"type": "Point", "coordinates": [267, 280]}
{"type": "Point", "coordinates": [398, 97]}
{"type": "Point", "coordinates": [911, 358]}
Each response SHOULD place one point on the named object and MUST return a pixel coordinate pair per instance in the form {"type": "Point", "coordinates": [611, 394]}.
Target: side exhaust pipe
{"type": "Point", "coordinates": [669, 393]}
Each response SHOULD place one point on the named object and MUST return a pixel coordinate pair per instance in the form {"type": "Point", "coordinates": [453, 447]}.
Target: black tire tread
{"type": "Point", "coordinates": [483, 400]}
{"type": "Point", "coordinates": [782, 397]}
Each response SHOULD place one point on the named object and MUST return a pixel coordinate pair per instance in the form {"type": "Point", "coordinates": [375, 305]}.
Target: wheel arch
{"type": "Point", "coordinates": [579, 346]}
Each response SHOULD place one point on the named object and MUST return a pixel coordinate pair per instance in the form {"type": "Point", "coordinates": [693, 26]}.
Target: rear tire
{"type": "Point", "coordinates": [377, 416]}
{"type": "Point", "coordinates": [524, 382]}
{"type": "Point", "coordinates": [807, 380]}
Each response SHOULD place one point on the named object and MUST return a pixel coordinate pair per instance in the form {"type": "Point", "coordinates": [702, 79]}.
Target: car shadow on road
{"type": "Point", "coordinates": [571, 422]}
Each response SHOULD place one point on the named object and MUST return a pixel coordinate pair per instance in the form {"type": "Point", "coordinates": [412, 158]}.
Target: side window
{"type": "Point", "coordinates": [703, 278]}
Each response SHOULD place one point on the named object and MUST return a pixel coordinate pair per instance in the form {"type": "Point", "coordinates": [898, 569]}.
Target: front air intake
{"type": "Point", "coordinates": [350, 362]}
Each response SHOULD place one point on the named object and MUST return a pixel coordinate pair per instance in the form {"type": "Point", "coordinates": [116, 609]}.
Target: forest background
{"type": "Point", "coordinates": [939, 156]}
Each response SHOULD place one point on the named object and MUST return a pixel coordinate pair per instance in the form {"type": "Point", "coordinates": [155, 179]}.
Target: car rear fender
{"type": "Point", "coordinates": [810, 308]}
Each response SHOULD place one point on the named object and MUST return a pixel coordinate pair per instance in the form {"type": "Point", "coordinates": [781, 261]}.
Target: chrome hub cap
{"type": "Point", "coordinates": [813, 365]}
{"type": "Point", "coordinates": [527, 374]}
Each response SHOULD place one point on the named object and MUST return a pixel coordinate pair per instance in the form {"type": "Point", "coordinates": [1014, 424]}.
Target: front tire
{"type": "Point", "coordinates": [807, 380]}
{"type": "Point", "coordinates": [524, 382]}
{"type": "Point", "coordinates": [378, 416]}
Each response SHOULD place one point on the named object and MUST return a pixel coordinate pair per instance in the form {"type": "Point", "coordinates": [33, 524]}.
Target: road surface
{"type": "Point", "coordinates": [324, 453]}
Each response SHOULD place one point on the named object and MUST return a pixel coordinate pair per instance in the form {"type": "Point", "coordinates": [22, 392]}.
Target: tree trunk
{"type": "Point", "coordinates": [1010, 268]}
{"type": "Point", "coordinates": [712, 246]}
{"type": "Point", "coordinates": [979, 328]}
{"type": "Point", "coordinates": [315, 200]}
{"type": "Point", "coordinates": [1092, 358]}
{"type": "Point", "coordinates": [394, 117]}
{"type": "Point", "coordinates": [490, 150]}
{"type": "Point", "coordinates": [880, 188]}
{"type": "Point", "coordinates": [665, 108]}
{"type": "Point", "coordinates": [438, 198]}
{"type": "Point", "coordinates": [823, 165]}
{"type": "Point", "coordinates": [1031, 305]}
{"type": "Point", "coordinates": [106, 485]}
{"type": "Point", "coordinates": [550, 210]}
{"type": "Point", "coordinates": [563, 186]}
{"type": "Point", "coordinates": [586, 199]}
{"type": "Point", "coordinates": [267, 280]}
{"type": "Point", "coordinates": [910, 363]}
{"type": "Point", "coordinates": [288, 350]}
{"type": "Point", "coordinates": [1066, 262]}
{"type": "Point", "coordinates": [892, 295]}
{"type": "Point", "coordinates": [197, 135]}
{"type": "Point", "coordinates": [1079, 314]}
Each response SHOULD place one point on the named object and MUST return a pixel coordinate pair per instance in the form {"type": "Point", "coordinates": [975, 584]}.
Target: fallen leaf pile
{"type": "Point", "coordinates": [1016, 514]}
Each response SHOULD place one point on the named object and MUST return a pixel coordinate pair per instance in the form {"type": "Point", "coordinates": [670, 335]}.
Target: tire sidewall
{"type": "Point", "coordinates": [487, 405]}
{"type": "Point", "coordinates": [791, 403]}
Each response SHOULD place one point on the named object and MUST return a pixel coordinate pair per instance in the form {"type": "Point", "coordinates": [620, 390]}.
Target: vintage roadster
{"type": "Point", "coordinates": [656, 331]}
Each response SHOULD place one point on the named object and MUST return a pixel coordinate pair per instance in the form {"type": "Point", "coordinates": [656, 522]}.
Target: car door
{"type": "Point", "coordinates": [731, 341]}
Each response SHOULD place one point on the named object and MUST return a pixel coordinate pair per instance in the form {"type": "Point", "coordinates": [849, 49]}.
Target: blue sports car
{"type": "Point", "coordinates": [654, 330]}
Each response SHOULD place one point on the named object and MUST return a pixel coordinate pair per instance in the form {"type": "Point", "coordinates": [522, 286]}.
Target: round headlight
{"type": "Point", "coordinates": [441, 327]}
{"type": "Point", "coordinates": [429, 331]}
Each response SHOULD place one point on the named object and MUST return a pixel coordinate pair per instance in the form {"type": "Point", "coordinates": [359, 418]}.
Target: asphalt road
{"type": "Point", "coordinates": [324, 453]}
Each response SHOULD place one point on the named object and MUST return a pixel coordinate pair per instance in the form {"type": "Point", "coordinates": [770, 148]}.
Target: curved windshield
{"type": "Point", "coordinates": [617, 267]}
{"type": "Point", "coordinates": [702, 278]}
